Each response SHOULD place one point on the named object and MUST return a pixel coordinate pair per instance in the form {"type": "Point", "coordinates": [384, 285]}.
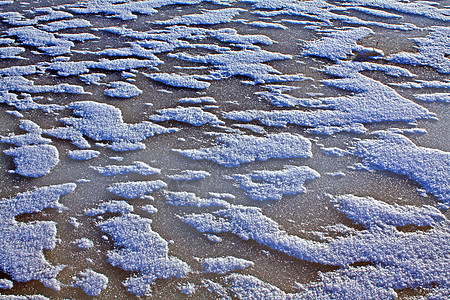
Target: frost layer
{"type": "Point", "coordinates": [141, 250]}
{"type": "Point", "coordinates": [136, 189]}
{"type": "Point", "coordinates": [401, 259]}
{"type": "Point", "coordinates": [223, 265]}
{"type": "Point", "coordinates": [371, 102]}
{"type": "Point", "coordinates": [138, 167]}
{"type": "Point", "coordinates": [233, 150]}
{"type": "Point", "coordinates": [22, 244]}
{"type": "Point", "coordinates": [190, 199]}
{"type": "Point", "coordinates": [396, 153]}
{"type": "Point", "coordinates": [103, 122]}
{"type": "Point", "coordinates": [272, 185]}
{"type": "Point", "coordinates": [35, 160]}
{"type": "Point", "coordinates": [91, 282]}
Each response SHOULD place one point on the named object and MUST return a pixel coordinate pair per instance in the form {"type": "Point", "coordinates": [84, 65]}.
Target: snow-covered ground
{"type": "Point", "coordinates": [225, 149]}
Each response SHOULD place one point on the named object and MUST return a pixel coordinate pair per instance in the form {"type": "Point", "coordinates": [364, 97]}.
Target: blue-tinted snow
{"type": "Point", "coordinates": [43, 40]}
{"type": "Point", "coordinates": [266, 25]}
{"type": "Point", "coordinates": [11, 52]}
{"type": "Point", "coordinates": [92, 78]}
{"type": "Point", "coordinates": [276, 97]}
{"type": "Point", "coordinates": [191, 115]}
{"type": "Point", "coordinates": [22, 244]}
{"type": "Point", "coordinates": [176, 80]}
{"type": "Point", "coordinates": [15, 113]}
{"type": "Point", "coordinates": [28, 297]}
{"type": "Point", "coordinates": [443, 97]}
{"type": "Point", "coordinates": [161, 40]}
{"type": "Point", "coordinates": [45, 14]}
{"type": "Point", "coordinates": [74, 222]}
{"type": "Point", "coordinates": [126, 10]}
{"type": "Point", "coordinates": [233, 150]}
{"type": "Point", "coordinates": [112, 207]}
{"type": "Point", "coordinates": [260, 73]}
{"type": "Point", "coordinates": [419, 84]}
{"type": "Point", "coordinates": [337, 44]}
{"type": "Point", "coordinates": [335, 174]}
{"type": "Point", "coordinates": [334, 151]}
{"type": "Point", "coordinates": [224, 196]}
{"type": "Point", "coordinates": [126, 146]}
{"type": "Point", "coordinates": [6, 284]}
{"type": "Point", "coordinates": [319, 10]}
{"type": "Point", "coordinates": [214, 238]}
{"type": "Point", "coordinates": [188, 288]}
{"type": "Point", "coordinates": [138, 167]}
{"type": "Point", "coordinates": [149, 209]}
{"type": "Point", "coordinates": [35, 160]}
{"type": "Point", "coordinates": [26, 102]}
{"type": "Point", "coordinates": [197, 100]}
{"type": "Point", "coordinates": [19, 70]}
{"type": "Point", "coordinates": [223, 265]}
{"type": "Point", "coordinates": [402, 259]}
{"type": "Point", "coordinates": [272, 185]}
{"type": "Point", "coordinates": [134, 50]}
{"type": "Point", "coordinates": [6, 41]}
{"type": "Point", "coordinates": [368, 211]}
{"type": "Point", "coordinates": [208, 17]}
{"type": "Point", "coordinates": [396, 153]}
{"type": "Point", "coordinates": [188, 175]}
{"type": "Point", "coordinates": [371, 102]}
{"type": "Point", "coordinates": [190, 199]}
{"type": "Point", "coordinates": [136, 189]}
{"type": "Point", "coordinates": [254, 128]}
{"type": "Point", "coordinates": [65, 24]}
{"type": "Point", "coordinates": [16, 18]}
{"type": "Point", "coordinates": [245, 62]}
{"type": "Point", "coordinates": [122, 89]}
{"type": "Point", "coordinates": [433, 51]}
{"type": "Point", "coordinates": [245, 41]}
{"type": "Point", "coordinates": [216, 288]}
{"type": "Point", "coordinates": [91, 282]}
{"type": "Point", "coordinates": [128, 75]}
{"type": "Point", "coordinates": [250, 223]}
{"type": "Point", "coordinates": [33, 137]}
{"type": "Point", "coordinates": [350, 68]}
{"type": "Point", "coordinates": [83, 154]}
{"type": "Point", "coordinates": [68, 68]}
{"type": "Point", "coordinates": [289, 4]}
{"type": "Point", "coordinates": [103, 122]}
{"type": "Point", "coordinates": [372, 263]}
{"type": "Point", "coordinates": [422, 8]}
{"type": "Point", "coordinates": [142, 250]}
{"type": "Point", "coordinates": [84, 243]}
{"type": "Point", "coordinates": [21, 84]}
{"type": "Point", "coordinates": [376, 12]}
{"type": "Point", "coordinates": [69, 133]}
{"type": "Point", "coordinates": [35, 200]}
{"type": "Point", "coordinates": [78, 37]}
{"type": "Point", "coordinates": [250, 287]}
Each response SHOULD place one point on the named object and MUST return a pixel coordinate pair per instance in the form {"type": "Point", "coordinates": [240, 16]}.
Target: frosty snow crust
{"type": "Point", "coordinates": [223, 265]}
{"type": "Point", "coordinates": [22, 244]}
{"type": "Point", "coordinates": [91, 282]}
{"type": "Point", "coordinates": [401, 259]}
{"type": "Point", "coordinates": [233, 150]}
{"type": "Point", "coordinates": [141, 250]}
{"type": "Point", "coordinates": [272, 185]}
{"type": "Point", "coordinates": [431, 167]}
{"type": "Point", "coordinates": [398, 247]}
